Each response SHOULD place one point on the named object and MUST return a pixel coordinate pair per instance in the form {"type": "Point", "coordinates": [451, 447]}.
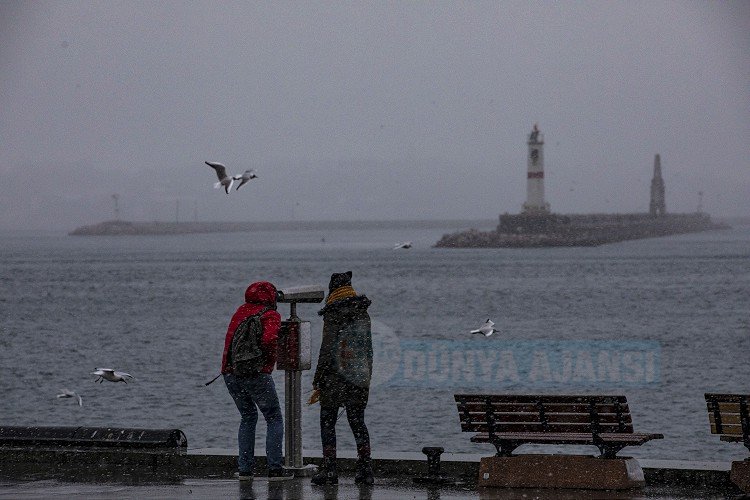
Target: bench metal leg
{"type": "Point", "coordinates": [505, 448]}
{"type": "Point", "coordinates": [609, 450]}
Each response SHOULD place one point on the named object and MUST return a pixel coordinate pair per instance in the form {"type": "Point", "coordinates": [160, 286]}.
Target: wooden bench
{"type": "Point", "coordinates": [157, 440]}
{"type": "Point", "coordinates": [508, 421]}
{"type": "Point", "coordinates": [729, 416]}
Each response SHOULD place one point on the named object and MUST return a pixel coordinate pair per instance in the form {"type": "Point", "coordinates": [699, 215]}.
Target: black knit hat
{"type": "Point", "coordinates": [339, 279]}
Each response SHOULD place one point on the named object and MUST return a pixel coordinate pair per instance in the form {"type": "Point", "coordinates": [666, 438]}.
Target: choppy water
{"type": "Point", "coordinates": [157, 307]}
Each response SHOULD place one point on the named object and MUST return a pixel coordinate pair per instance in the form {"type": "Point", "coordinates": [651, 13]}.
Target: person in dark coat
{"type": "Point", "coordinates": [342, 377]}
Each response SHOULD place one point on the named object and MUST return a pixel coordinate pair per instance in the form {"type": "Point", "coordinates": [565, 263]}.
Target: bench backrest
{"type": "Point", "coordinates": [543, 413]}
{"type": "Point", "coordinates": [170, 440]}
{"type": "Point", "coordinates": [729, 415]}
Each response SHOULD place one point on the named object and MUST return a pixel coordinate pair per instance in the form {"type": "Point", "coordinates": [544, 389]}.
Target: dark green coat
{"type": "Point", "coordinates": [345, 361]}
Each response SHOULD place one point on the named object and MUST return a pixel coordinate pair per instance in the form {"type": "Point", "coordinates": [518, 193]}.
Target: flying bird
{"type": "Point", "coordinates": [405, 244]}
{"type": "Point", "coordinates": [486, 329]}
{"type": "Point", "coordinates": [221, 173]}
{"type": "Point", "coordinates": [67, 393]}
{"type": "Point", "coordinates": [103, 374]}
{"type": "Point", "coordinates": [246, 176]}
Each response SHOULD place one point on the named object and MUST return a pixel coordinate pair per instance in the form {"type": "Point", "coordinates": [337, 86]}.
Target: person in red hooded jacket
{"type": "Point", "coordinates": [257, 390]}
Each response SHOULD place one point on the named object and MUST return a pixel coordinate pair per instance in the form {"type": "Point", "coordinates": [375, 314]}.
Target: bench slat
{"type": "Point", "coordinates": [527, 417]}
{"type": "Point", "coordinates": [724, 408]}
{"type": "Point", "coordinates": [539, 428]}
{"type": "Point", "coordinates": [533, 398]}
{"type": "Point", "coordinates": [548, 407]}
{"type": "Point", "coordinates": [726, 398]}
{"type": "Point", "coordinates": [567, 438]}
{"type": "Point", "coordinates": [726, 419]}
{"type": "Point", "coordinates": [730, 430]}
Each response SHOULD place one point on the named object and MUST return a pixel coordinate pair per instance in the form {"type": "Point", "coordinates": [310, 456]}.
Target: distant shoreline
{"type": "Point", "coordinates": [129, 228]}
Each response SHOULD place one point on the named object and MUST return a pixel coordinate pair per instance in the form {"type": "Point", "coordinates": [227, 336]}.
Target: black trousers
{"type": "Point", "coordinates": [355, 414]}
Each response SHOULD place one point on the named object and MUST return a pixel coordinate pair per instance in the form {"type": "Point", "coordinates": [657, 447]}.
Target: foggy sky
{"type": "Point", "coordinates": [368, 110]}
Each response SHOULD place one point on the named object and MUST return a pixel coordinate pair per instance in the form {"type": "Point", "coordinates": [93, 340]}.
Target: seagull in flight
{"type": "Point", "coordinates": [486, 329]}
{"type": "Point", "coordinates": [67, 393]}
{"type": "Point", "coordinates": [221, 173]}
{"type": "Point", "coordinates": [103, 374]}
{"type": "Point", "coordinates": [405, 244]}
{"type": "Point", "coordinates": [246, 176]}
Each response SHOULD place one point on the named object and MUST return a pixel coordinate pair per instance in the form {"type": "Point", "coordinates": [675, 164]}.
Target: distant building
{"type": "Point", "coordinates": [535, 203]}
{"type": "Point", "coordinates": [657, 206]}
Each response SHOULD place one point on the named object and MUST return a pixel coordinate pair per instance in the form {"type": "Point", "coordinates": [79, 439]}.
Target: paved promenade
{"type": "Point", "coordinates": [206, 474]}
{"type": "Point", "coordinates": [300, 489]}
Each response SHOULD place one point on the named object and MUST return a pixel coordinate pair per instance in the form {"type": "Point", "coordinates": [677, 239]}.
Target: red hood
{"type": "Point", "coordinates": [261, 292]}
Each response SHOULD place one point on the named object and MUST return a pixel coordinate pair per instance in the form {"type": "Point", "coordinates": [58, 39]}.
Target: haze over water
{"type": "Point", "coordinates": [368, 110]}
{"type": "Point", "coordinates": [157, 307]}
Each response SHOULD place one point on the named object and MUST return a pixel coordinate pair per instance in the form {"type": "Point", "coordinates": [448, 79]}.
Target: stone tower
{"type": "Point", "coordinates": [535, 203]}
{"type": "Point", "coordinates": [657, 206]}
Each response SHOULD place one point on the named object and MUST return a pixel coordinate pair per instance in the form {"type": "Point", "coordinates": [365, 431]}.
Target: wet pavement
{"type": "Point", "coordinates": [207, 474]}
{"type": "Point", "coordinates": [301, 488]}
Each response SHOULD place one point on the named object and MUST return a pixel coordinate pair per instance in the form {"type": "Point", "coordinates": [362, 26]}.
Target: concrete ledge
{"type": "Point", "coordinates": [561, 471]}
{"type": "Point", "coordinates": [222, 463]}
{"type": "Point", "coordinates": [740, 475]}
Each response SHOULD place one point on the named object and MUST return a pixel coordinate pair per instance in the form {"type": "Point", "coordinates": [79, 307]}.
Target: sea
{"type": "Point", "coordinates": [661, 321]}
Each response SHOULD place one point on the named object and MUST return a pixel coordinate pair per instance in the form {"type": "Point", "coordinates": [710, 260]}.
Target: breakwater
{"type": "Point", "coordinates": [578, 230]}
{"type": "Point", "coordinates": [128, 228]}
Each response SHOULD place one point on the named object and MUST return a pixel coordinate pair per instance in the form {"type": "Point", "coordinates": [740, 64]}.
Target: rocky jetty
{"type": "Point", "coordinates": [127, 228]}
{"type": "Point", "coordinates": [553, 230]}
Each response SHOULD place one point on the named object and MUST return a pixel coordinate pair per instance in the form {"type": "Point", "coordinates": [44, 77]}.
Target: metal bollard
{"type": "Point", "coordinates": [433, 459]}
{"type": "Point", "coordinates": [434, 476]}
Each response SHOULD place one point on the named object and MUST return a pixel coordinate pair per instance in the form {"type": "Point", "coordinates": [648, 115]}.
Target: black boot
{"type": "Point", "coordinates": [364, 471]}
{"type": "Point", "coordinates": [328, 474]}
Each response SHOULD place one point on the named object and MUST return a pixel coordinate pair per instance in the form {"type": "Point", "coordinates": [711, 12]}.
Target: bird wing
{"type": "Point", "coordinates": [221, 170]}
{"type": "Point", "coordinates": [476, 331]}
{"type": "Point", "coordinates": [124, 375]}
{"type": "Point", "coordinates": [80, 400]}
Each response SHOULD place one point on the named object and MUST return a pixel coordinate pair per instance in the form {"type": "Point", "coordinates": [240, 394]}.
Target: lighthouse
{"type": "Point", "coordinates": [657, 206]}
{"type": "Point", "coordinates": [535, 203]}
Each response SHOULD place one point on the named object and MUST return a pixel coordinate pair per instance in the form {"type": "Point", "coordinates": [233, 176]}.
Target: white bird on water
{"type": "Point", "coordinates": [405, 245]}
{"type": "Point", "coordinates": [103, 374]}
{"type": "Point", "coordinates": [486, 329]}
{"type": "Point", "coordinates": [221, 173]}
{"type": "Point", "coordinates": [245, 177]}
{"type": "Point", "coordinates": [67, 393]}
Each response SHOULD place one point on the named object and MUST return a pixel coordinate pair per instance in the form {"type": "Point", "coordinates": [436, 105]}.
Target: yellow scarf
{"type": "Point", "coordinates": [341, 293]}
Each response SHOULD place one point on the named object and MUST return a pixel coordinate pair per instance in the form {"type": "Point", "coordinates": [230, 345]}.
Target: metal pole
{"type": "Point", "coordinates": [296, 346]}
{"type": "Point", "coordinates": [293, 410]}
{"type": "Point", "coordinates": [293, 422]}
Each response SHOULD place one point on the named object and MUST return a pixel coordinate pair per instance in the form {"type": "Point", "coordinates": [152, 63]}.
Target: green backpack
{"type": "Point", "coordinates": [245, 354]}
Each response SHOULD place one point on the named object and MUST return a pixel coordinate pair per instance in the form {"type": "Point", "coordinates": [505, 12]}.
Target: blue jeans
{"type": "Point", "coordinates": [249, 392]}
